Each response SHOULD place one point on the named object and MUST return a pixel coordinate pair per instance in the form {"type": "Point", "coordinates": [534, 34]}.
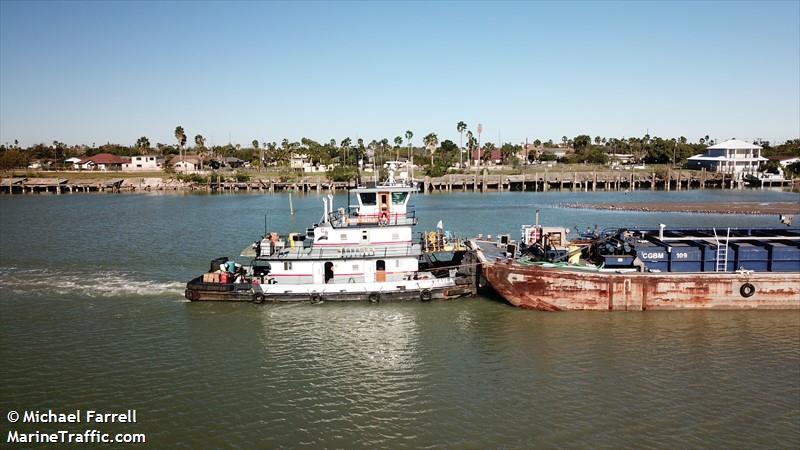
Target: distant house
{"type": "Point", "coordinates": [103, 161]}
{"type": "Point", "coordinates": [528, 152]}
{"type": "Point", "coordinates": [558, 152]}
{"type": "Point", "coordinates": [733, 156]}
{"type": "Point", "coordinates": [786, 161]}
{"type": "Point", "coordinates": [41, 164]}
{"type": "Point", "coordinates": [187, 163]}
{"type": "Point", "coordinates": [496, 156]}
{"type": "Point", "coordinates": [74, 162]}
{"type": "Point", "coordinates": [231, 162]}
{"type": "Point", "coordinates": [311, 168]}
{"type": "Point", "coordinates": [144, 162]}
{"type": "Point", "coordinates": [298, 160]}
{"type": "Point", "coordinates": [623, 158]}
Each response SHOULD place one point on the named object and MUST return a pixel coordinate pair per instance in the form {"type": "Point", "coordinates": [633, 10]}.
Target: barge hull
{"type": "Point", "coordinates": [555, 289]}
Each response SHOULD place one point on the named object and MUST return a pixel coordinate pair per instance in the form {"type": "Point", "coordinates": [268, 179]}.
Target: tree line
{"type": "Point", "coordinates": [437, 156]}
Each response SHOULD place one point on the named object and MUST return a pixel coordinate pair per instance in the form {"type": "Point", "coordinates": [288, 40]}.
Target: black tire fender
{"type": "Point", "coordinates": [374, 297]}
{"type": "Point", "coordinates": [315, 298]}
{"type": "Point", "coordinates": [747, 290]}
{"type": "Point", "coordinates": [425, 295]}
{"type": "Point", "coordinates": [258, 298]}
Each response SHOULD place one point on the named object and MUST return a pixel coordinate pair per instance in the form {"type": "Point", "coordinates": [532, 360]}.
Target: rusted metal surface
{"type": "Point", "coordinates": [558, 289]}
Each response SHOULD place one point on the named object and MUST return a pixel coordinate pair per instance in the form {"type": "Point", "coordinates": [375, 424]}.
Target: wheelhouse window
{"type": "Point", "coordinates": [368, 198]}
{"type": "Point", "coordinates": [398, 198]}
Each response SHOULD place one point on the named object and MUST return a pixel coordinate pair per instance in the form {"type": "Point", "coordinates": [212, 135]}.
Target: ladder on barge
{"type": "Point", "coordinates": [722, 251]}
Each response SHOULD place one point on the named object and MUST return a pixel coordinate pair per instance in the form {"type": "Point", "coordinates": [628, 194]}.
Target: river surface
{"type": "Point", "coordinates": [92, 317]}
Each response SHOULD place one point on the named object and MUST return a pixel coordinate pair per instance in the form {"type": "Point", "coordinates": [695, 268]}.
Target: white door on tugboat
{"type": "Point", "coordinates": [317, 275]}
{"type": "Point", "coordinates": [369, 270]}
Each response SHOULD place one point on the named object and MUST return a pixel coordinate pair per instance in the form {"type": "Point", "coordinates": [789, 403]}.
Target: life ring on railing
{"type": "Point", "coordinates": [747, 290]}
{"type": "Point", "coordinates": [383, 219]}
{"type": "Point", "coordinates": [374, 297]}
{"type": "Point", "coordinates": [258, 298]}
{"type": "Point", "coordinates": [425, 295]}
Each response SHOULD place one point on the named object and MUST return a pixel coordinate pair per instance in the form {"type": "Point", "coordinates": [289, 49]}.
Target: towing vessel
{"type": "Point", "coordinates": [366, 251]}
{"type": "Point", "coordinates": [644, 269]}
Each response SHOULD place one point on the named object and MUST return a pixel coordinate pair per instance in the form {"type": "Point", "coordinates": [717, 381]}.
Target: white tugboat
{"type": "Point", "coordinates": [366, 251]}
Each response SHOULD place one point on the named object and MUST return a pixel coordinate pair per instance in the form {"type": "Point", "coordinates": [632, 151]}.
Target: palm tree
{"type": "Point", "coordinates": [398, 141]}
{"type": "Point", "coordinates": [470, 143]}
{"type": "Point", "coordinates": [384, 145]}
{"type": "Point", "coordinates": [372, 149]}
{"type": "Point", "coordinates": [460, 127]}
{"type": "Point", "coordinates": [255, 143]}
{"type": "Point", "coordinates": [431, 141]}
{"type": "Point", "coordinates": [143, 144]}
{"type": "Point", "coordinates": [409, 135]}
{"type": "Point", "coordinates": [200, 144]}
{"type": "Point", "coordinates": [360, 150]}
{"type": "Point", "coordinates": [180, 136]}
{"type": "Point", "coordinates": [345, 146]}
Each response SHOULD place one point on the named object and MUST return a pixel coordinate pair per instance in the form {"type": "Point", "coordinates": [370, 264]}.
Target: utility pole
{"type": "Point", "coordinates": [480, 151]}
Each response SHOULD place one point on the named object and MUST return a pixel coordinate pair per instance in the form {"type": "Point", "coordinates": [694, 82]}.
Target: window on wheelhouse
{"type": "Point", "coordinates": [399, 198]}
{"type": "Point", "coordinates": [368, 198]}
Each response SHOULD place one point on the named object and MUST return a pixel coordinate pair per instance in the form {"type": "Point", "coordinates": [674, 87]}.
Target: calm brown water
{"type": "Point", "coordinates": [91, 317]}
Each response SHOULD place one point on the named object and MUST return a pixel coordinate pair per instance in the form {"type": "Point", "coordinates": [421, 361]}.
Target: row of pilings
{"type": "Point", "coordinates": [477, 181]}
{"type": "Point", "coordinates": [588, 181]}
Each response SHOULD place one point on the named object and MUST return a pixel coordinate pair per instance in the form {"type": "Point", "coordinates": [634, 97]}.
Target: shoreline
{"type": "Point", "coordinates": [748, 208]}
{"type": "Point", "coordinates": [536, 182]}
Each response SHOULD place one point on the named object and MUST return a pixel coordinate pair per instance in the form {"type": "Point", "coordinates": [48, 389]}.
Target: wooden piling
{"type": "Point", "coordinates": [546, 184]}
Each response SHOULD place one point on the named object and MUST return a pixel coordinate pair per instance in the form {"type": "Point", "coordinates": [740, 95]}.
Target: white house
{"type": "Point", "coordinates": [298, 160]}
{"type": "Point", "coordinates": [74, 162]}
{"type": "Point", "coordinates": [186, 164]}
{"type": "Point", "coordinates": [144, 162]}
{"type": "Point", "coordinates": [733, 156]}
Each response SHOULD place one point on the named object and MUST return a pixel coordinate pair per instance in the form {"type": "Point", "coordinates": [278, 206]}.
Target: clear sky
{"type": "Point", "coordinates": [113, 71]}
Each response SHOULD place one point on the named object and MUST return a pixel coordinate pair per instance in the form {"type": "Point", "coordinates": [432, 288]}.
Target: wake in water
{"type": "Point", "coordinates": [50, 282]}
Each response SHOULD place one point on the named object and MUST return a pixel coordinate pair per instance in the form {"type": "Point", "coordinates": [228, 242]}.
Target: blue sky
{"type": "Point", "coordinates": [111, 72]}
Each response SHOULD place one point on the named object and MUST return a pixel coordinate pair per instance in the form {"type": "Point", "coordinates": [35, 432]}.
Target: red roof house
{"type": "Point", "coordinates": [103, 161]}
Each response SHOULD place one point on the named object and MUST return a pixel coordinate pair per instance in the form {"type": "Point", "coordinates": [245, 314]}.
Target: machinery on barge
{"type": "Point", "coordinates": [645, 269]}
{"type": "Point", "coordinates": [366, 251]}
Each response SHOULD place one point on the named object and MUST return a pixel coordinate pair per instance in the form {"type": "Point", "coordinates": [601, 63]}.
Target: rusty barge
{"type": "Point", "coordinates": [642, 270]}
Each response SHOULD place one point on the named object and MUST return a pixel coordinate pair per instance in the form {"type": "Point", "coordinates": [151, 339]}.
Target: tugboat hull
{"type": "Point", "coordinates": [424, 290]}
